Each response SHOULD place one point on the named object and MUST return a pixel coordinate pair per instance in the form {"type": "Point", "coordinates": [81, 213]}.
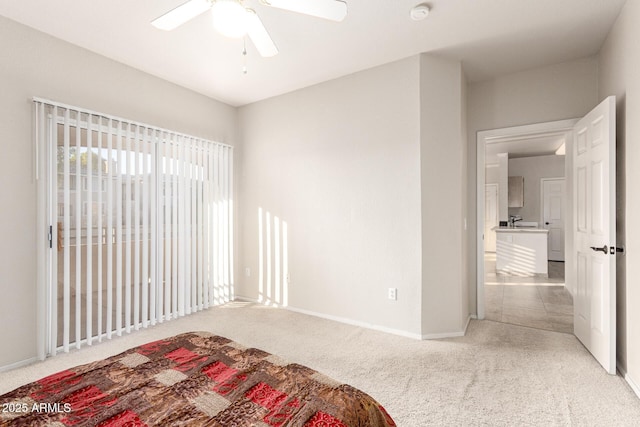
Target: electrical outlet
{"type": "Point", "coordinates": [247, 272]}
{"type": "Point", "coordinates": [393, 293]}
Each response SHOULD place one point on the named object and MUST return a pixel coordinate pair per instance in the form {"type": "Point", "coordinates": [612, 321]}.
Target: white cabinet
{"type": "Point", "coordinates": [516, 191]}
{"type": "Point", "coordinates": [522, 252]}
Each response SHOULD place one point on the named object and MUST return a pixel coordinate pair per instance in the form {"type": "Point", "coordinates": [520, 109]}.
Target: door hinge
{"type": "Point", "coordinates": [50, 237]}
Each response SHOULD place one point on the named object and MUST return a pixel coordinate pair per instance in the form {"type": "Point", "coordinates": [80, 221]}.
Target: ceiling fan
{"type": "Point", "coordinates": [232, 19]}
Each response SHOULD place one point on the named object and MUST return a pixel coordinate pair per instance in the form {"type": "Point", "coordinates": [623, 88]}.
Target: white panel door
{"type": "Point", "coordinates": [553, 216]}
{"type": "Point", "coordinates": [594, 172]}
{"type": "Point", "coordinates": [490, 216]}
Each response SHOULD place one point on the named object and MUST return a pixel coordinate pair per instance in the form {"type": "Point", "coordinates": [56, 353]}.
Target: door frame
{"type": "Point", "coordinates": [561, 127]}
{"type": "Point", "coordinates": [565, 204]}
{"type": "Point", "coordinates": [497, 187]}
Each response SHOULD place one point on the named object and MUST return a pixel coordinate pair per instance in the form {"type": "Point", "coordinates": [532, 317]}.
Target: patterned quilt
{"type": "Point", "coordinates": [192, 379]}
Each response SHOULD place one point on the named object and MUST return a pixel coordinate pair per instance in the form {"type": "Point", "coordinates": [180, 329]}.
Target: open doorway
{"type": "Point", "coordinates": [535, 302]}
{"type": "Point", "coordinates": [590, 246]}
{"type": "Point", "coordinates": [528, 292]}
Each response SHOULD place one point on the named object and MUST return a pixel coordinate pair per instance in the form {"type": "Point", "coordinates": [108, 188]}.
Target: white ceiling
{"type": "Point", "coordinates": [490, 37]}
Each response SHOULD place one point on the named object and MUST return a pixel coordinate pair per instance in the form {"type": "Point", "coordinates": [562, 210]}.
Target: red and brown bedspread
{"type": "Point", "coordinates": [192, 379]}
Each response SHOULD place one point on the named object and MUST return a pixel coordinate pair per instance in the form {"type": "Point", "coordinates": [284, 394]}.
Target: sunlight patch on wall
{"type": "Point", "coordinates": [273, 260]}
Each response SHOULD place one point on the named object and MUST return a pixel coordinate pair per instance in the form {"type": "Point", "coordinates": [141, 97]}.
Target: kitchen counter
{"type": "Point", "coordinates": [521, 251]}
{"type": "Point", "coordinates": [520, 230]}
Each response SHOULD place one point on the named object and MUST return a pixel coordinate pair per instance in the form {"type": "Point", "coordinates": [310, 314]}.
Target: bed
{"type": "Point", "coordinates": [191, 379]}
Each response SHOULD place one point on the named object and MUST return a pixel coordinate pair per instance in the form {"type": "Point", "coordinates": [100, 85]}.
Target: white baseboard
{"type": "Point", "coordinates": [356, 323]}
{"type": "Point", "coordinates": [246, 299]}
{"type": "Point", "coordinates": [634, 386]}
{"type": "Point", "coordinates": [442, 335]}
{"type": "Point", "coordinates": [19, 364]}
{"type": "Point", "coordinates": [369, 325]}
{"type": "Point", "coordinates": [471, 316]}
{"type": "Point", "coordinates": [455, 334]}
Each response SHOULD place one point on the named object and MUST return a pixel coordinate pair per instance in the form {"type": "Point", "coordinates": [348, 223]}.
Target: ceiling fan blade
{"type": "Point", "coordinates": [333, 10]}
{"type": "Point", "coordinates": [259, 35]}
{"type": "Point", "coordinates": [181, 14]}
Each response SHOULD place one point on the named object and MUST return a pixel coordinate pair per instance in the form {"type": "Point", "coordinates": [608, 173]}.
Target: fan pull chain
{"type": "Point", "coordinates": [244, 55]}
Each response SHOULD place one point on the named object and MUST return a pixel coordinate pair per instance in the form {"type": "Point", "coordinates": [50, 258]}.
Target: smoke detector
{"type": "Point", "coordinates": [420, 12]}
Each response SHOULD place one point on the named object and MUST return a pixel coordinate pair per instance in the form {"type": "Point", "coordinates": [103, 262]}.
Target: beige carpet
{"type": "Point", "coordinates": [498, 374]}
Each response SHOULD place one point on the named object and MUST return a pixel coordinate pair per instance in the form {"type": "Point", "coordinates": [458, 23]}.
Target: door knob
{"type": "Point", "coordinates": [547, 223]}
{"type": "Point", "coordinates": [603, 249]}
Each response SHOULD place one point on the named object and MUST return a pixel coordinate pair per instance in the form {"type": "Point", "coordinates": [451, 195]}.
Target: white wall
{"type": "Point", "coordinates": [556, 92]}
{"type": "Point", "coordinates": [34, 64]}
{"type": "Point", "coordinates": [619, 61]}
{"type": "Point", "coordinates": [367, 171]}
{"type": "Point", "coordinates": [533, 169]}
{"type": "Point", "coordinates": [442, 137]}
{"type": "Point", "coordinates": [339, 162]}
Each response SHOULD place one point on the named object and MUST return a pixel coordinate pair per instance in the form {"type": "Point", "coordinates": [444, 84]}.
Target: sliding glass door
{"type": "Point", "coordinates": [140, 222]}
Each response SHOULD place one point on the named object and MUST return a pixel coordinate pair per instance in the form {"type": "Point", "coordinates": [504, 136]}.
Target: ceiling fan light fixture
{"type": "Point", "coordinates": [259, 35]}
{"type": "Point", "coordinates": [181, 14]}
{"type": "Point", "coordinates": [420, 12]}
{"type": "Point", "coordinates": [229, 18]}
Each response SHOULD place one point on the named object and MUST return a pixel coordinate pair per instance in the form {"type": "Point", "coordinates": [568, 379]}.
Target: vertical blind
{"type": "Point", "coordinates": [139, 225]}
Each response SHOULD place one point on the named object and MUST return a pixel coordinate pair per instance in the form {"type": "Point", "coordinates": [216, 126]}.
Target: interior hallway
{"type": "Point", "coordinates": [536, 302]}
